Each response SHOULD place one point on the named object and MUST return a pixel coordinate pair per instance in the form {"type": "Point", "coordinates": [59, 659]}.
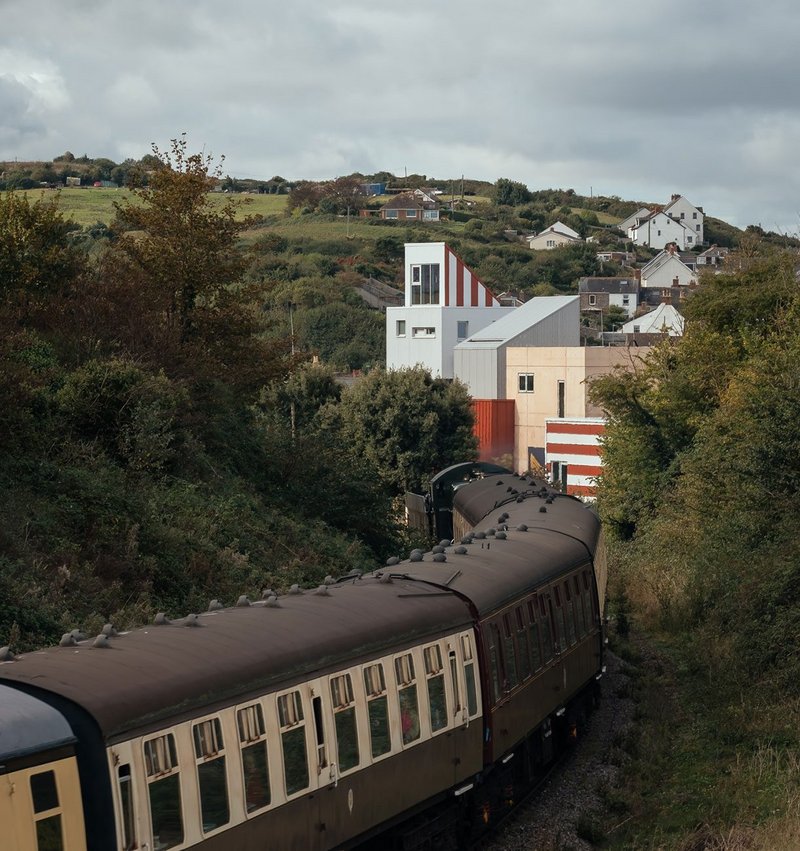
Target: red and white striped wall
{"type": "Point", "coordinates": [462, 287]}
{"type": "Point", "coordinates": [575, 444]}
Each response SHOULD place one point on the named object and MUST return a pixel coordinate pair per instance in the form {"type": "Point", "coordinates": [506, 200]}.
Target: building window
{"type": "Point", "coordinates": [562, 399]}
{"type": "Point", "coordinates": [401, 327]}
{"type": "Point", "coordinates": [425, 283]}
{"type": "Point", "coordinates": [688, 238]}
{"type": "Point", "coordinates": [423, 332]}
{"type": "Point", "coordinates": [592, 299]}
{"type": "Point", "coordinates": [411, 214]}
{"type": "Point", "coordinates": [636, 329]}
{"type": "Point", "coordinates": [462, 331]}
{"type": "Point", "coordinates": [683, 215]}
{"type": "Point", "coordinates": [525, 380]}
{"type": "Point", "coordinates": [625, 299]}
{"type": "Point", "coordinates": [390, 214]}
{"type": "Point", "coordinates": [694, 215]}
{"type": "Point", "coordinates": [697, 228]}
{"type": "Point", "coordinates": [551, 243]}
{"type": "Point", "coordinates": [430, 214]}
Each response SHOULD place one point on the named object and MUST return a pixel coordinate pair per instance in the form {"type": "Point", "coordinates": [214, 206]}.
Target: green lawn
{"type": "Point", "coordinates": [87, 205]}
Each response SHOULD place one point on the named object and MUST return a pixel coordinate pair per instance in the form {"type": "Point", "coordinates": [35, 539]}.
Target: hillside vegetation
{"type": "Point", "coordinates": [700, 490]}
{"type": "Point", "coordinates": [165, 441]}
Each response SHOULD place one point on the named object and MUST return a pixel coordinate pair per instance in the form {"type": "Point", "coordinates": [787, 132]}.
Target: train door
{"type": "Point", "coordinates": [41, 809]}
{"type": "Point", "coordinates": [341, 723]}
{"type": "Point", "coordinates": [127, 794]}
{"type": "Point", "coordinates": [467, 731]}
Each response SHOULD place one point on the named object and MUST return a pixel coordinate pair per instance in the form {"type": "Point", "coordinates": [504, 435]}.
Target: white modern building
{"type": "Point", "coordinates": [445, 303]}
{"type": "Point", "coordinates": [480, 360]}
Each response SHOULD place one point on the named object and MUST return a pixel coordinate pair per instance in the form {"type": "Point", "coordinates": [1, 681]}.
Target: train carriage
{"type": "Point", "coordinates": [315, 719]}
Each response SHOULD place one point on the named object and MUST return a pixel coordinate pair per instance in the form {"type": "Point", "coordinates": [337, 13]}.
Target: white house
{"type": "Point", "coordinates": [553, 237]}
{"type": "Point", "coordinates": [444, 303]}
{"type": "Point", "coordinates": [714, 256]}
{"type": "Point", "coordinates": [682, 210]}
{"type": "Point", "coordinates": [626, 224]}
{"type": "Point", "coordinates": [667, 270]}
{"type": "Point", "coordinates": [658, 229]}
{"type": "Point", "coordinates": [665, 319]}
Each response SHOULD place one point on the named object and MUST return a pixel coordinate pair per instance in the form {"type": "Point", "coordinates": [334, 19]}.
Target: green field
{"type": "Point", "coordinates": [87, 205]}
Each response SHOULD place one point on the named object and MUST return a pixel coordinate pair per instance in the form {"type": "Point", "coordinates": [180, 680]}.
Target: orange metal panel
{"type": "Point", "coordinates": [494, 428]}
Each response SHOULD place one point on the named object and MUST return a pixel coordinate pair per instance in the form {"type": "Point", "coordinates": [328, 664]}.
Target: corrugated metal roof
{"type": "Point", "coordinates": [513, 324]}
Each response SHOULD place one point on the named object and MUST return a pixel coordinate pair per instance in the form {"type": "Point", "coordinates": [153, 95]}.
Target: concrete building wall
{"type": "Point", "coordinates": [435, 352]}
{"type": "Point", "coordinates": [572, 365]}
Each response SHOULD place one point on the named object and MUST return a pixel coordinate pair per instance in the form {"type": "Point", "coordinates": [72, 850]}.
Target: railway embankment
{"type": "Point", "coordinates": [675, 758]}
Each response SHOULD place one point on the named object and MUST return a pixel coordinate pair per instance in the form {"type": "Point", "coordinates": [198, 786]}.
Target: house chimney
{"type": "Point", "coordinates": [671, 246]}
{"type": "Point", "coordinates": [675, 197]}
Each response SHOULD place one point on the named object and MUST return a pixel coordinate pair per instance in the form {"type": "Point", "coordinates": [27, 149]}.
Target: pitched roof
{"type": "Point", "coordinates": [407, 201]}
{"type": "Point", "coordinates": [664, 319]}
{"type": "Point", "coordinates": [607, 285]}
{"type": "Point", "coordinates": [505, 329]}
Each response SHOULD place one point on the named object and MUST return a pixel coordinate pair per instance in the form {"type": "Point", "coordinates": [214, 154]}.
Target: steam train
{"type": "Point", "coordinates": [421, 699]}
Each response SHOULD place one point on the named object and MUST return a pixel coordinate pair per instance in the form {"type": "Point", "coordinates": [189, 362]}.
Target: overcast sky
{"type": "Point", "coordinates": [636, 99]}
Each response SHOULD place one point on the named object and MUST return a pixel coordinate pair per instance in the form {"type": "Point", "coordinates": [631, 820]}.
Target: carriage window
{"type": "Point", "coordinates": [569, 613]}
{"type": "Point", "coordinates": [469, 676]}
{"type": "Point", "coordinates": [344, 717]}
{"type": "Point", "coordinates": [164, 791]}
{"type": "Point", "coordinates": [45, 799]}
{"type": "Point", "coordinates": [523, 652]}
{"type": "Point", "coordinates": [454, 681]}
{"type": "Point", "coordinates": [533, 636]}
{"type": "Point", "coordinates": [255, 769]}
{"type": "Point", "coordinates": [494, 660]}
{"type": "Point", "coordinates": [560, 632]}
{"type": "Point", "coordinates": [409, 707]}
{"type": "Point", "coordinates": [209, 751]}
{"type": "Point", "coordinates": [546, 629]}
{"type": "Point", "coordinates": [293, 742]}
{"type": "Point", "coordinates": [437, 699]}
{"type": "Point", "coordinates": [377, 710]}
{"type": "Point", "coordinates": [588, 596]}
{"type": "Point", "coordinates": [125, 787]}
{"type": "Point", "coordinates": [509, 656]}
{"type": "Point", "coordinates": [578, 601]}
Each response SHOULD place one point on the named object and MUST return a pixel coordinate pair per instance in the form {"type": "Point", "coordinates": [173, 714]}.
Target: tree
{"type": "Point", "coordinates": [510, 193]}
{"type": "Point", "coordinates": [36, 259]}
{"type": "Point", "coordinates": [180, 267]}
{"type": "Point", "coordinates": [407, 425]}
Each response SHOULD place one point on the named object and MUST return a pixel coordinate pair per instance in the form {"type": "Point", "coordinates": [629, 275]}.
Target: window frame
{"type": "Point", "coordinates": [526, 382]}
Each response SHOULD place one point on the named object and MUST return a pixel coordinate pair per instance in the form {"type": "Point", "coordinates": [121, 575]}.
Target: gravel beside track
{"type": "Point", "coordinates": [572, 793]}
